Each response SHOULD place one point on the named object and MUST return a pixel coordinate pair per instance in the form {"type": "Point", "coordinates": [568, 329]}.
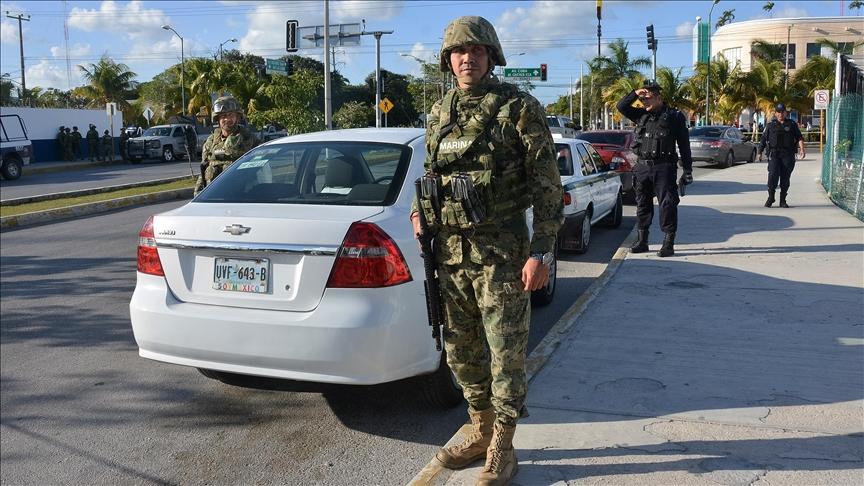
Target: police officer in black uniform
{"type": "Point", "coordinates": [780, 136]}
{"type": "Point", "coordinates": [658, 128]}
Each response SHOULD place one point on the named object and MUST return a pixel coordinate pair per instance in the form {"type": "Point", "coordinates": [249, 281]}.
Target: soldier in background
{"type": "Point", "coordinates": [61, 143]}
{"type": "Point", "coordinates": [191, 142]}
{"type": "Point", "coordinates": [488, 269]}
{"type": "Point", "coordinates": [107, 146]}
{"type": "Point", "coordinates": [124, 136]}
{"type": "Point", "coordinates": [76, 142]}
{"type": "Point", "coordinates": [226, 144]}
{"type": "Point", "coordinates": [93, 143]}
{"type": "Point", "coordinates": [68, 147]}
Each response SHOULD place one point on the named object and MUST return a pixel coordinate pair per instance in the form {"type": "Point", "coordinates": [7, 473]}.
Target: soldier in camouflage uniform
{"type": "Point", "coordinates": [93, 142]}
{"type": "Point", "coordinates": [107, 146]}
{"type": "Point", "coordinates": [62, 141]}
{"type": "Point", "coordinates": [76, 142]}
{"type": "Point", "coordinates": [225, 145]}
{"type": "Point", "coordinates": [497, 134]}
{"type": "Point", "coordinates": [68, 146]}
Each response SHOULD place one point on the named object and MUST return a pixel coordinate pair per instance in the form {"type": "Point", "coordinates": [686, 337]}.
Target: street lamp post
{"type": "Point", "coordinates": [182, 68]}
{"type": "Point", "coordinates": [222, 44]}
{"type": "Point", "coordinates": [422, 67]}
{"type": "Point", "coordinates": [708, 71]}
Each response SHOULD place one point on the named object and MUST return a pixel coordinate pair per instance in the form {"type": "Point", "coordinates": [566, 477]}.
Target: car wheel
{"type": "Point", "coordinates": [613, 219]}
{"type": "Point", "coordinates": [167, 154]}
{"type": "Point", "coordinates": [440, 388]}
{"type": "Point", "coordinates": [545, 295]}
{"type": "Point", "coordinates": [584, 233]}
{"type": "Point", "coordinates": [752, 157]}
{"type": "Point", "coordinates": [730, 161]}
{"type": "Point", "coordinates": [11, 169]}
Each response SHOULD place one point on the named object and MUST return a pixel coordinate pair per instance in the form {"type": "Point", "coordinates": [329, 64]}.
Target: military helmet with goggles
{"type": "Point", "coordinates": [225, 104]}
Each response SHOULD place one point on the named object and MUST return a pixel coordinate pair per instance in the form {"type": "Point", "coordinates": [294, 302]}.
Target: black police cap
{"type": "Point", "coordinates": [780, 107]}
{"type": "Point", "coordinates": [652, 86]}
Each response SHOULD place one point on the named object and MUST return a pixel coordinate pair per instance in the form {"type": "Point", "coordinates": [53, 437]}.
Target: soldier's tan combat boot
{"type": "Point", "coordinates": [475, 444]}
{"type": "Point", "coordinates": [501, 464]}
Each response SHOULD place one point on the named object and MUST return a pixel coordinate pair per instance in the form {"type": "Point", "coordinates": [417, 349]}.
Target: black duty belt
{"type": "Point", "coordinates": [652, 162]}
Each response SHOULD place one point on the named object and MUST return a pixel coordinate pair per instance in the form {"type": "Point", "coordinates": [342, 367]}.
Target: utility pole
{"type": "Point", "coordinates": [328, 98]}
{"type": "Point", "coordinates": [788, 37]}
{"type": "Point", "coordinates": [708, 71]}
{"type": "Point", "coordinates": [599, 7]}
{"type": "Point", "coordinates": [21, 17]}
{"type": "Point", "coordinates": [581, 94]}
{"type": "Point", "coordinates": [377, 34]}
{"type": "Point", "coordinates": [570, 89]}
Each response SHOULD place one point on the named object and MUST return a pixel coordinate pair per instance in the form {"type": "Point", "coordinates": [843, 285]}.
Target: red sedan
{"type": "Point", "coordinates": [615, 147]}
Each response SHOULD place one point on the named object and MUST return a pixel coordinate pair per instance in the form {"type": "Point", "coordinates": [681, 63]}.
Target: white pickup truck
{"type": "Point", "coordinates": [16, 149]}
{"type": "Point", "coordinates": [592, 192]}
{"type": "Point", "coordinates": [167, 142]}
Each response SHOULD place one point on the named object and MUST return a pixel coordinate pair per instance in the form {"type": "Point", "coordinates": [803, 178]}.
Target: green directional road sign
{"type": "Point", "coordinates": [529, 74]}
{"type": "Point", "coordinates": [276, 66]}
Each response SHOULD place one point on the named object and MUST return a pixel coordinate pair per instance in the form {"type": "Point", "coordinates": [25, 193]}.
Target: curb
{"type": "Point", "coordinates": [434, 473]}
{"type": "Point", "coordinates": [51, 215]}
{"type": "Point", "coordinates": [87, 192]}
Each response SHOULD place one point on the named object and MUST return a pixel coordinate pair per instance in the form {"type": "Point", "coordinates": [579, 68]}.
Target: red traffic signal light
{"type": "Point", "coordinates": [542, 72]}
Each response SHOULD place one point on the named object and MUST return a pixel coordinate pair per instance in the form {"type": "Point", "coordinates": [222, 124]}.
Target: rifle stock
{"type": "Point", "coordinates": [434, 309]}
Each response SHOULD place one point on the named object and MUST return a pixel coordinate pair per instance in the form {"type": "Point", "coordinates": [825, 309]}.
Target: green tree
{"type": "Point", "coordinates": [354, 115]}
{"type": "Point", "coordinates": [768, 7]}
{"type": "Point", "coordinates": [842, 47]}
{"type": "Point", "coordinates": [726, 18]}
{"type": "Point", "coordinates": [856, 5]}
{"type": "Point", "coordinates": [294, 103]}
{"type": "Point", "coordinates": [767, 51]}
{"type": "Point", "coordinates": [395, 88]}
{"type": "Point", "coordinates": [108, 82]}
{"type": "Point", "coordinates": [818, 73]}
{"type": "Point", "coordinates": [619, 64]}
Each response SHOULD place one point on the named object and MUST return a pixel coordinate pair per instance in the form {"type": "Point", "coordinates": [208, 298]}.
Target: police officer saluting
{"type": "Point", "coordinates": [658, 128]}
{"type": "Point", "coordinates": [487, 142]}
{"type": "Point", "coordinates": [781, 136]}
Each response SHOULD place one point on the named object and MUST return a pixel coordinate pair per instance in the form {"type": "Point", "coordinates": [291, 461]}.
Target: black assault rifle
{"type": "Point", "coordinates": [434, 308]}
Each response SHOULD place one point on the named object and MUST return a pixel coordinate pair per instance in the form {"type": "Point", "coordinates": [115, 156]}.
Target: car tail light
{"type": "Point", "coordinates": [367, 258]}
{"type": "Point", "coordinates": [621, 164]}
{"type": "Point", "coordinates": [148, 256]}
{"type": "Point", "coordinates": [568, 199]}
{"type": "Point", "coordinates": [717, 144]}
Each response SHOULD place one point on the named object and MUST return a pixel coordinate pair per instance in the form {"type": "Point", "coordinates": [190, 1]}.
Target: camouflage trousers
{"type": "Point", "coordinates": [486, 335]}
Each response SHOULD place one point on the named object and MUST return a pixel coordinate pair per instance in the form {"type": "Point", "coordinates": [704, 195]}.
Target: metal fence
{"type": "Point", "coordinates": [843, 156]}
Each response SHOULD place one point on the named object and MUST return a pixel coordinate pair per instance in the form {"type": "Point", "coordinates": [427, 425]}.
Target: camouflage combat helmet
{"type": "Point", "coordinates": [225, 104]}
{"type": "Point", "coordinates": [471, 30]}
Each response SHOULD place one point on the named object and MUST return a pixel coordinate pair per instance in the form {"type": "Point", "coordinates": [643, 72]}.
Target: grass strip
{"type": "Point", "coordinates": [71, 201]}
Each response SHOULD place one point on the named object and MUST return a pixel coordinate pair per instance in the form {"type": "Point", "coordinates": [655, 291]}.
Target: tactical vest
{"type": "Point", "coordinates": [486, 148]}
{"type": "Point", "coordinates": [781, 136]}
{"type": "Point", "coordinates": [654, 136]}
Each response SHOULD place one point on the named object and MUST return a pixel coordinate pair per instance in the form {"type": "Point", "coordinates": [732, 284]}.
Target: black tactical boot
{"type": "Point", "coordinates": [783, 200]}
{"type": "Point", "coordinates": [668, 248]}
{"type": "Point", "coordinates": [641, 245]}
{"type": "Point", "coordinates": [770, 200]}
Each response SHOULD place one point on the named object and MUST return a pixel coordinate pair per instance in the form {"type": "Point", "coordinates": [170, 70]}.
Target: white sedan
{"type": "Point", "coordinates": [298, 262]}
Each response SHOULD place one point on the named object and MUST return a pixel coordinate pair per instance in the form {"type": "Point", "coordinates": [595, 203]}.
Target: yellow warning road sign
{"type": "Point", "coordinates": [386, 105]}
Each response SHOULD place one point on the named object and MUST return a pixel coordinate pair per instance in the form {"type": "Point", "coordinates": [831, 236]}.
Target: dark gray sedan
{"type": "Point", "coordinates": [723, 145]}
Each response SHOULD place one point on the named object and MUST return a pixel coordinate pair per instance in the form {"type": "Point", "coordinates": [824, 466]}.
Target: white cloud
{"type": "Point", "coordinates": [131, 20]}
{"type": "Point", "coordinates": [8, 31]}
{"type": "Point", "coordinates": [77, 50]}
{"type": "Point", "coordinates": [552, 20]}
{"type": "Point", "coordinates": [266, 32]}
{"type": "Point", "coordinates": [684, 30]}
{"type": "Point", "coordinates": [419, 51]}
{"type": "Point", "coordinates": [50, 74]}
{"type": "Point", "coordinates": [791, 12]}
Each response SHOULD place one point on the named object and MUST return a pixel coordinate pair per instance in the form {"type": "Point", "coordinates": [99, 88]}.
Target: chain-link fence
{"type": "Point", "coordinates": [843, 157]}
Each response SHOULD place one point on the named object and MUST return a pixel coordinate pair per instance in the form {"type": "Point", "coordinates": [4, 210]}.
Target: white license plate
{"type": "Point", "coordinates": [696, 144]}
{"type": "Point", "coordinates": [242, 275]}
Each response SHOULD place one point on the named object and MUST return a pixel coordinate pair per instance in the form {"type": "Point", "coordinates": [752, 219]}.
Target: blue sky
{"type": "Point", "coordinates": [559, 33]}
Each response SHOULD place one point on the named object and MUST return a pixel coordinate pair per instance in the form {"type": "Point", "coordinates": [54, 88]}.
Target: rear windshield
{"type": "Point", "coordinates": [706, 132]}
{"type": "Point", "coordinates": [552, 122]}
{"type": "Point", "coordinates": [329, 173]}
{"type": "Point", "coordinates": [565, 159]}
{"type": "Point", "coordinates": [157, 132]}
{"type": "Point", "coordinates": [607, 138]}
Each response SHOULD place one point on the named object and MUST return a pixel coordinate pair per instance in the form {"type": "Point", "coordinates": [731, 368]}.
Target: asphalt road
{"type": "Point", "coordinates": [78, 406]}
{"type": "Point", "coordinates": [97, 176]}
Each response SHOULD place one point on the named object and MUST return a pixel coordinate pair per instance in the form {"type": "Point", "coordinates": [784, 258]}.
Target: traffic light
{"type": "Point", "coordinates": [291, 35]}
{"type": "Point", "coordinates": [652, 42]}
{"type": "Point", "coordinates": [542, 72]}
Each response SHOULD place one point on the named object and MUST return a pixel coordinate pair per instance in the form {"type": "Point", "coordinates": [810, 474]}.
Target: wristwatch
{"type": "Point", "coordinates": [544, 258]}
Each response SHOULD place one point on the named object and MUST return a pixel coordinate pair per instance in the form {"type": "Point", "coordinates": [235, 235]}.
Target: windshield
{"type": "Point", "coordinates": [552, 121]}
{"type": "Point", "coordinates": [329, 173]}
{"type": "Point", "coordinates": [605, 138]}
{"type": "Point", "coordinates": [157, 132]}
{"type": "Point", "coordinates": [710, 132]}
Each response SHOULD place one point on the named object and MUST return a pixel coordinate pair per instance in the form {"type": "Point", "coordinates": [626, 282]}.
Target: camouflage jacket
{"type": "Point", "coordinates": [92, 136]}
{"type": "Point", "coordinates": [219, 150]}
{"type": "Point", "coordinates": [518, 139]}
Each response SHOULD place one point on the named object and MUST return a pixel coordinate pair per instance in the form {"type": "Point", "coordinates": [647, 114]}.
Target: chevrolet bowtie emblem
{"type": "Point", "coordinates": [236, 229]}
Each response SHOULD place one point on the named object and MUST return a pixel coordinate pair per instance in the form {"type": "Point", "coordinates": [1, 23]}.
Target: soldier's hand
{"type": "Point", "coordinates": [688, 178]}
{"type": "Point", "coordinates": [535, 275]}
{"type": "Point", "coordinates": [415, 222]}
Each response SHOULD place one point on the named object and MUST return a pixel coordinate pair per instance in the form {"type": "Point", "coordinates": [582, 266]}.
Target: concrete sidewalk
{"type": "Point", "coordinates": [739, 360]}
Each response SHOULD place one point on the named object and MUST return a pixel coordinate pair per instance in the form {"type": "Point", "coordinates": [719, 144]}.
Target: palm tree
{"type": "Point", "coordinates": [842, 47]}
{"type": "Point", "coordinates": [727, 18]}
{"type": "Point", "coordinates": [856, 5]}
{"type": "Point", "coordinates": [818, 73]}
{"type": "Point", "coordinates": [620, 88]}
{"type": "Point", "coordinates": [109, 82]}
{"type": "Point", "coordinates": [768, 7]}
{"type": "Point", "coordinates": [619, 64]}
{"type": "Point", "coordinates": [762, 49]}
{"type": "Point", "coordinates": [675, 90]}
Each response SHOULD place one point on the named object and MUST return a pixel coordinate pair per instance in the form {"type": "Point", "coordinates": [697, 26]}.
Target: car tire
{"type": "Point", "coordinates": [440, 388]}
{"type": "Point", "coordinates": [730, 160]}
{"type": "Point", "coordinates": [167, 154]}
{"type": "Point", "coordinates": [584, 233]}
{"type": "Point", "coordinates": [545, 295]}
{"type": "Point", "coordinates": [613, 219]}
{"type": "Point", "coordinates": [752, 157]}
{"type": "Point", "coordinates": [11, 169]}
